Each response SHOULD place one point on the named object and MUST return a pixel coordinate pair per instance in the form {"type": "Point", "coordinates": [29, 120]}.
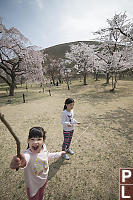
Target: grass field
{"type": "Point", "coordinates": [93, 172]}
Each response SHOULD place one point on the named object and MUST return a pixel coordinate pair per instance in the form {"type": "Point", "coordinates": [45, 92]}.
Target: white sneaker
{"type": "Point", "coordinates": [66, 157]}
{"type": "Point", "coordinates": [70, 151]}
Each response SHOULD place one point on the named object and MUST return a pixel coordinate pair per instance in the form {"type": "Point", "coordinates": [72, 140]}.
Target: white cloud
{"type": "Point", "coordinates": [80, 28]}
{"type": "Point", "coordinates": [60, 21]}
{"type": "Point", "coordinates": [40, 3]}
{"type": "Point", "coordinates": [81, 19]}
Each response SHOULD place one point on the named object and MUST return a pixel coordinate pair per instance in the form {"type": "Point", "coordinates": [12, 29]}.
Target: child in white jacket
{"type": "Point", "coordinates": [34, 160]}
{"type": "Point", "coordinates": [68, 122]}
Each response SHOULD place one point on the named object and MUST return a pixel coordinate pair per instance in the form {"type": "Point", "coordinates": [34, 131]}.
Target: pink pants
{"type": "Point", "coordinates": [39, 195]}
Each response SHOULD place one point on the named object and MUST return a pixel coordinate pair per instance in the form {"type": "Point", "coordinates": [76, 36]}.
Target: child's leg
{"type": "Point", "coordinates": [70, 138]}
{"type": "Point", "coordinates": [66, 140]}
{"type": "Point", "coordinates": [39, 195]}
{"type": "Point", "coordinates": [41, 191]}
{"type": "Point", "coordinates": [36, 197]}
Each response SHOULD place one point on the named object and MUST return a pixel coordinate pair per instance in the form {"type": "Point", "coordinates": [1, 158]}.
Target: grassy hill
{"type": "Point", "coordinates": [61, 49]}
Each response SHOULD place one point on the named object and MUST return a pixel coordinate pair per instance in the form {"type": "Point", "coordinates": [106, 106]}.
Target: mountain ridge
{"type": "Point", "coordinates": [59, 50]}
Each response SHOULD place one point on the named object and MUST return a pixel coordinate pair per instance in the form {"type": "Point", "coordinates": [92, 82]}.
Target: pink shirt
{"type": "Point", "coordinates": [37, 168]}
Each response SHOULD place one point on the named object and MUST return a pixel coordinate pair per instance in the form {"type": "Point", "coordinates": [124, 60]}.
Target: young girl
{"type": "Point", "coordinates": [68, 126]}
{"type": "Point", "coordinates": [34, 160]}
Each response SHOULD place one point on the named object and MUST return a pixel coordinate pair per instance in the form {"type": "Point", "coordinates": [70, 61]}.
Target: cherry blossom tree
{"type": "Point", "coordinates": [123, 25]}
{"type": "Point", "coordinates": [119, 63]}
{"type": "Point", "coordinates": [51, 67]}
{"type": "Point", "coordinates": [67, 71]}
{"type": "Point", "coordinates": [96, 67]}
{"type": "Point", "coordinates": [17, 58]}
{"type": "Point", "coordinates": [81, 55]}
{"type": "Point", "coordinates": [113, 50]}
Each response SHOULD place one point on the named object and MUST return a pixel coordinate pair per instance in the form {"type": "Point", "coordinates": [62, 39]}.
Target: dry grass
{"type": "Point", "coordinates": [92, 173]}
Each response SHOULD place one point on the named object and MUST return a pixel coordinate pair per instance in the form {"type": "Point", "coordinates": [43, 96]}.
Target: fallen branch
{"type": "Point", "coordinates": [13, 134]}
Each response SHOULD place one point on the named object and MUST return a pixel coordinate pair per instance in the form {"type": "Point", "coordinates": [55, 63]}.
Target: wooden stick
{"type": "Point", "coordinates": [13, 134]}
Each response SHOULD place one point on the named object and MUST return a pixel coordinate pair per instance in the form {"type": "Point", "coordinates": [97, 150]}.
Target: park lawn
{"type": "Point", "coordinates": [34, 92]}
{"type": "Point", "coordinates": [93, 172]}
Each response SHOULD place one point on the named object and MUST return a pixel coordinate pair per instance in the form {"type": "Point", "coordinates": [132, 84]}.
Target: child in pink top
{"type": "Point", "coordinates": [34, 160]}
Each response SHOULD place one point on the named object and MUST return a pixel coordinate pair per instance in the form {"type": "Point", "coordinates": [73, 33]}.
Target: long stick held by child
{"type": "Point", "coordinates": [13, 134]}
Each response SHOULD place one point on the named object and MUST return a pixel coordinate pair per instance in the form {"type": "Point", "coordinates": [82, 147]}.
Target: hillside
{"type": "Point", "coordinates": [61, 49]}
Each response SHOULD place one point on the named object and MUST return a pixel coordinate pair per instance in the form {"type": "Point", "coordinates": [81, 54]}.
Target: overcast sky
{"type": "Point", "coordinates": [50, 22]}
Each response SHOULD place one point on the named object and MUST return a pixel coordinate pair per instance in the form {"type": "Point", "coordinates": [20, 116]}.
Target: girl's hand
{"type": "Point", "coordinates": [63, 153]}
{"type": "Point", "coordinates": [18, 162]}
{"type": "Point", "coordinates": [69, 125]}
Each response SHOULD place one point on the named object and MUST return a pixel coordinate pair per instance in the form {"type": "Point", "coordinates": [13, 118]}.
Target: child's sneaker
{"type": "Point", "coordinates": [70, 151]}
{"type": "Point", "coordinates": [66, 157]}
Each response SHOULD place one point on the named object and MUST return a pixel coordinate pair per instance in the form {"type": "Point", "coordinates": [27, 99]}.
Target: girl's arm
{"type": "Point", "coordinates": [55, 155]}
{"type": "Point", "coordinates": [18, 162]}
{"type": "Point", "coordinates": [63, 121]}
{"type": "Point", "coordinates": [75, 121]}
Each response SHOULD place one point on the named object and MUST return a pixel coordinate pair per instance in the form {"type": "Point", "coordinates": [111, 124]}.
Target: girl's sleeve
{"type": "Point", "coordinates": [75, 121]}
{"type": "Point", "coordinates": [54, 155]}
{"type": "Point", "coordinates": [63, 121]}
{"type": "Point", "coordinates": [27, 158]}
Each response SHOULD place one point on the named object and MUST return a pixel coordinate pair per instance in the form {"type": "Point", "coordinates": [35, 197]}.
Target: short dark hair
{"type": "Point", "coordinates": [68, 101]}
{"type": "Point", "coordinates": [37, 132]}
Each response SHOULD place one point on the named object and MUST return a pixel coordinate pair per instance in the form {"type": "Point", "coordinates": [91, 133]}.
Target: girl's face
{"type": "Point", "coordinates": [35, 144]}
{"type": "Point", "coordinates": [70, 106]}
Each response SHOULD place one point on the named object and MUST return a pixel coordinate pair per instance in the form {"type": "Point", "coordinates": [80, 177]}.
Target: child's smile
{"type": "Point", "coordinates": [35, 144]}
{"type": "Point", "coordinates": [35, 148]}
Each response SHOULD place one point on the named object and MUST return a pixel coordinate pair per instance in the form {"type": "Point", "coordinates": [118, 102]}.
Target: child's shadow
{"type": "Point", "coordinates": [55, 166]}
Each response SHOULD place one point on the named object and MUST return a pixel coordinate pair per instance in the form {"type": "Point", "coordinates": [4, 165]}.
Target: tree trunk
{"type": "Point", "coordinates": [112, 81]}
{"type": "Point", "coordinates": [85, 79]}
{"type": "Point", "coordinates": [11, 89]}
{"type": "Point", "coordinates": [53, 80]}
{"type": "Point", "coordinates": [115, 78]}
{"type": "Point", "coordinates": [68, 85]}
{"type": "Point", "coordinates": [26, 87]}
{"type": "Point", "coordinates": [59, 80]}
{"type": "Point", "coordinates": [113, 84]}
{"type": "Point", "coordinates": [107, 78]}
{"type": "Point", "coordinates": [43, 89]}
{"type": "Point", "coordinates": [96, 76]}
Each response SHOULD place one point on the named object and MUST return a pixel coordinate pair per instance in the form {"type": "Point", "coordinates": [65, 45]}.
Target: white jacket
{"type": "Point", "coordinates": [37, 168]}
{"type": "Point", "coordinates": [67, 118]}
